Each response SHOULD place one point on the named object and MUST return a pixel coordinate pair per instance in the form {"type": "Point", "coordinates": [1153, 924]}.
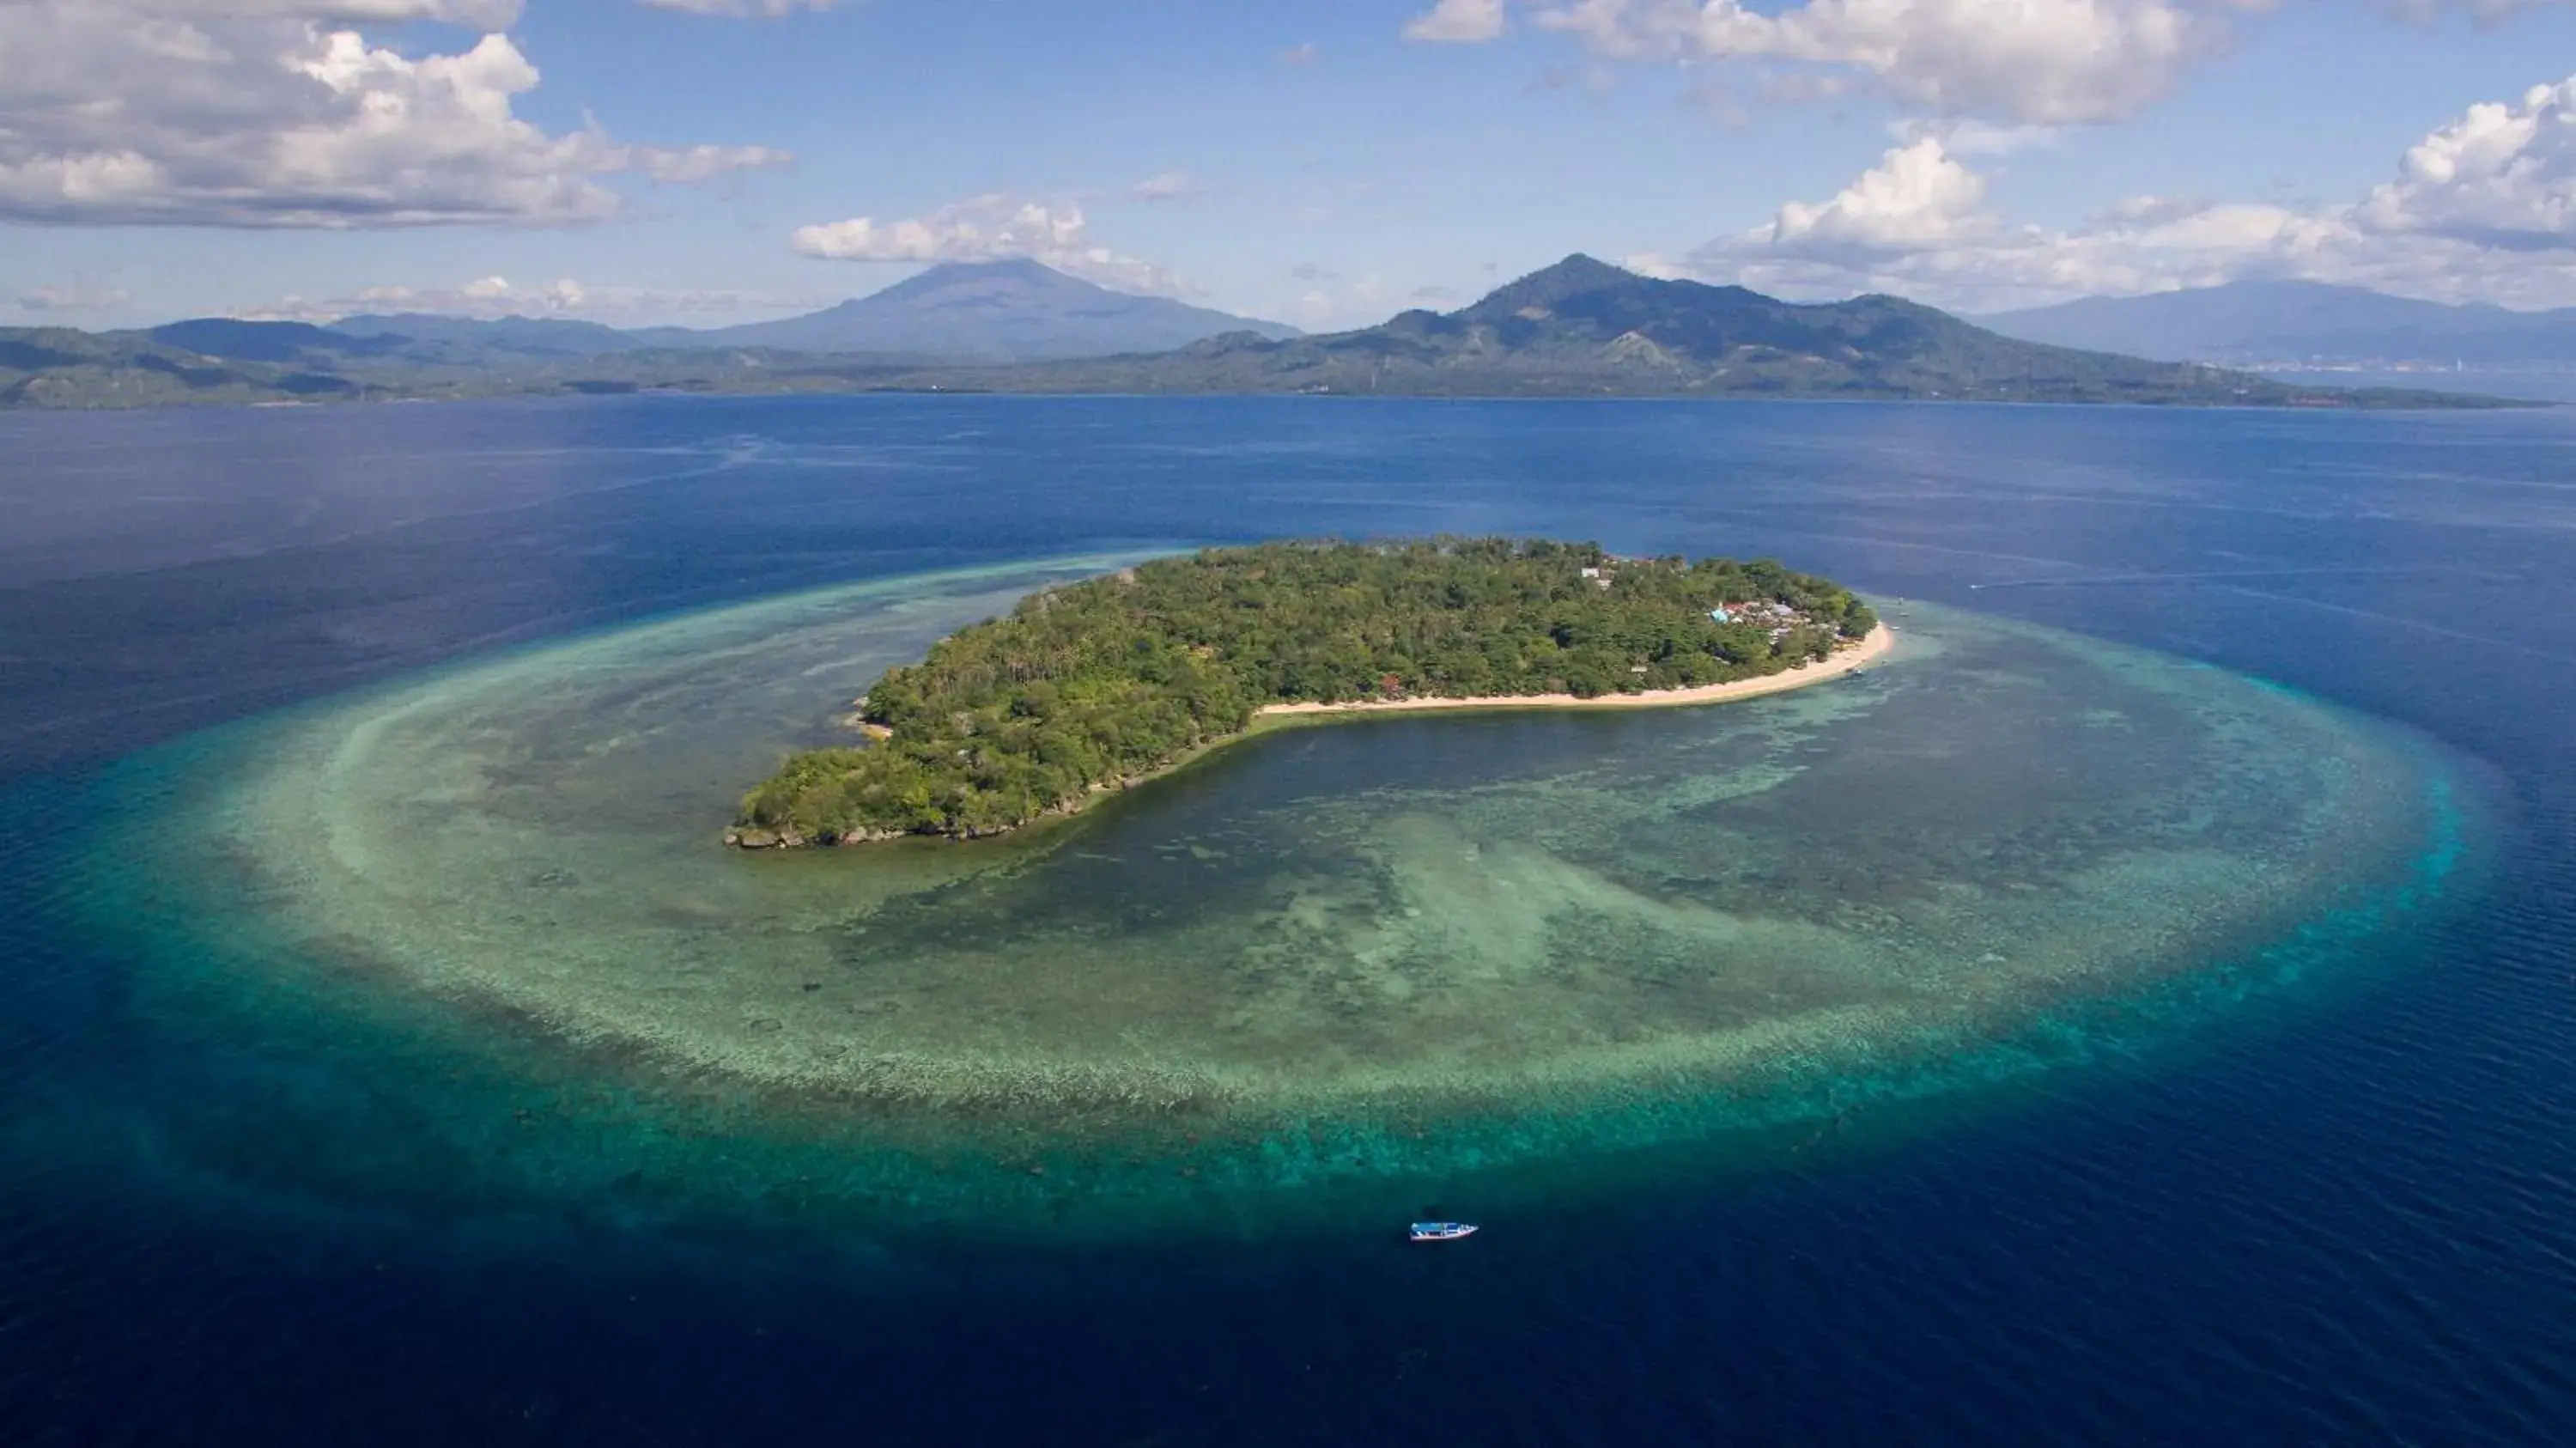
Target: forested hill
{"type": "Point", "coordinates": [1585, 328]}
{"type": "Point", "coordinates": [1106, 681]}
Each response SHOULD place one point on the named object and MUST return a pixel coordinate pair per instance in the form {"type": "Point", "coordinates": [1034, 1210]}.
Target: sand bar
{"type": "Point", "coordinates": [1843, 661]}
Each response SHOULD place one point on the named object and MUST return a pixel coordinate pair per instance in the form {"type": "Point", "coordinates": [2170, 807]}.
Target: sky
{"type": "Point", "coordinates": [703, 162]}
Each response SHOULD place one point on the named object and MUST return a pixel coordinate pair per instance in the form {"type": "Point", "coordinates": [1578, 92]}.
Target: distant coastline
{"type": "Point", "coordinates": [1580, 328]}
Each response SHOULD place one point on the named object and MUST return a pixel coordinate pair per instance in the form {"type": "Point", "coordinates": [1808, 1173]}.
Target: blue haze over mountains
{"type": "Point", "coordinates": [2279, 322]}
{"type": "Point", "coordinates": [1580, 327]}
{"type": "Point", "coordinates": [1000, 311]}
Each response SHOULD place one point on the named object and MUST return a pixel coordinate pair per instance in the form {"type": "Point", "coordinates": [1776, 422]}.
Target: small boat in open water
{"type": "Point", "coordinates": [1442, 1231]}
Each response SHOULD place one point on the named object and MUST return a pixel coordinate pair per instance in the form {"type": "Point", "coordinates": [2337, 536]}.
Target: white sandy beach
{"type": "Point", "coordinates": [1868, 650]}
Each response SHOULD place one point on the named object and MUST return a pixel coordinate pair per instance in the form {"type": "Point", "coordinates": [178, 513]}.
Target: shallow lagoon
{"type": "Point", "coordinates": [486, 926]}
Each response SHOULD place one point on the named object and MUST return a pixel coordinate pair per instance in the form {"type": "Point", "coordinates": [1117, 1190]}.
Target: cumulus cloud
{"type": "Point", "coordinates": [1169, 186]}
{"type": "Point", "coordinates": [2484, 208]}
{"type": "Point", "coordinates": [2502, 175]}
{"type": "Point", "coordinates": [2048, 62]}
{"type": "Point", "coordinates": [1458, 22]}
{"type": "Point", "coordinates": [990, 228]}
{"type": "Point", "coordinates": [1917, 196]}
{"type": "Point", "coordinates": [268, 113]}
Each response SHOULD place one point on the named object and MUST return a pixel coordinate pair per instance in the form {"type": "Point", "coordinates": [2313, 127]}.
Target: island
{"type": "Point", "coordinates": [1102, 684]}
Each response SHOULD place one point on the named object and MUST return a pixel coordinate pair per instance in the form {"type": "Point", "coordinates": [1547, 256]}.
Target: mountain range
{"type": "Point", "coordinates": [999, 311]}
{"type": "Point", "coordinates": [533, 336]}
{"type": "Point", "coordinates": [1585, 328]}
{"type": "Point", "coordinates": [1579, 328]}
{"type": "Point", "coordinates": [2290, 322]}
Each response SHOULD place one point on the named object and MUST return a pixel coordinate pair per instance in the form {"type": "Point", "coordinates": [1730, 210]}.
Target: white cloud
{"type": "Point", "coordinates": [985, 228]}
{"type": "Point", "coordinates": [2484, 208]}
{"type": "Point", "coordinates": [1980, 138]}
{"type": "Point", "coordinates": [688, 164]}
{"type": "Point", "coordinates": [2046, 62]}
{"type": "Point", "coordinates": [990, 228]}
{"type": "Point", "coordinates": [495, 296]}
{"type": "Point", "coordinates": [1305, 54]}
{"type": "Point", "coordinates": [1169, 186]}
{"type": "Point", "coordinates": [1458, 22]}
{"type": "Point", "coordinates": [263, 113]}
{"type": "Point", "coordinates": [1916, 196]}
{"type": "Point", "coordinates": [485, 297]}
{"type": "Point", "coordinates": [73, 298]}
{"type": "Point", "coordinates": [2502, 175]}
{"type": "Point", "coordinates": [2053, 62]}
{"type": "Point", "coordinates": [1332, 302]}
{"type": "Point", "coordinates": [1627, 29]}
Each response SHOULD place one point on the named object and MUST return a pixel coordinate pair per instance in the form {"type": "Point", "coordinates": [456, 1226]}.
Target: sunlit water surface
{"type": "Point", "coordinates": [2039, 1038]}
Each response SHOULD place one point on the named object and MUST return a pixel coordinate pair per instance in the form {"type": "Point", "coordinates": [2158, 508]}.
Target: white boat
{"type": "Point", "coordinates": [1442, 1231]}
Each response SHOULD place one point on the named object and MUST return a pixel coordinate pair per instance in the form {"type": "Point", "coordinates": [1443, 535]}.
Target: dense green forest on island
{"type": "Point", "coordinates": [1105, 681]}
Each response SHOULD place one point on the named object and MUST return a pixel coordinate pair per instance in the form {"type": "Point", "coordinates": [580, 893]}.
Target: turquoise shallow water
{"type": "Point", "coordinates": [495, 957]}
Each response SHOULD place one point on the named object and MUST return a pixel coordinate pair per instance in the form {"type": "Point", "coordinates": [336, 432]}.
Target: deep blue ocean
{"type": "Point", "coordinates": [2339, 1216]}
